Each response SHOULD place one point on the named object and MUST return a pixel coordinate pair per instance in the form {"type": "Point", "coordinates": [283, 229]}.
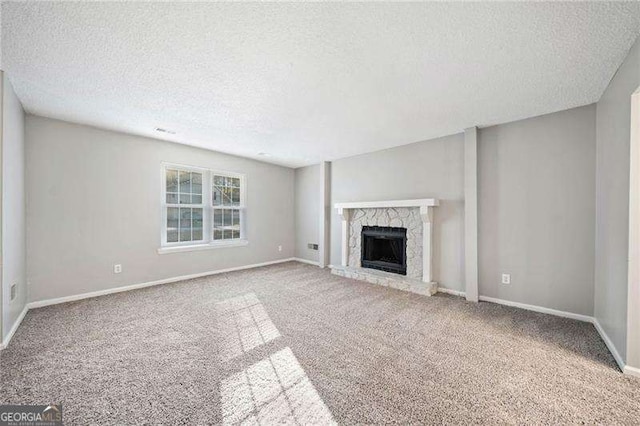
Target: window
{"type": "Point", "coordinates": [226, 207]}
{"type": "Point", "coordinates": [201, 207]}
{"type": "Point", "coordinates": [184, 206]}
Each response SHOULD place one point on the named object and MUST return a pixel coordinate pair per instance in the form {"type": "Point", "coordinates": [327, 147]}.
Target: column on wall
{"type": "Point", "coordinates": [427, 243]}
{"type": "Point", "coordinates": [471, 213]}
{"type": "Point", "coordinates": [325, 213]}
{"type": "Point", "coordinates": [344, 216]}
{"type": "Point", "coordinates": [633, 296]}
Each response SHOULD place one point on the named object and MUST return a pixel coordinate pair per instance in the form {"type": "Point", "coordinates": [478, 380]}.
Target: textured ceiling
{"type": "Point", "coordinates": [306, 82]}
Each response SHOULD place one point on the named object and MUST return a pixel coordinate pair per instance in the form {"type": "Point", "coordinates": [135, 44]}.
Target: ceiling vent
{"type": "Point", "coordinates": [161, 130]}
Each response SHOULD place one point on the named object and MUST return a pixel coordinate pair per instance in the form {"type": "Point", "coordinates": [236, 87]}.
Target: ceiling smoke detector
{"type": "Point", "coordinates": [161, 130]}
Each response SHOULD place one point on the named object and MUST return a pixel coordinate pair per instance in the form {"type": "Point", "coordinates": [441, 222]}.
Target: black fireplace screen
{"type": "Point", "coordinates": [384, 248]}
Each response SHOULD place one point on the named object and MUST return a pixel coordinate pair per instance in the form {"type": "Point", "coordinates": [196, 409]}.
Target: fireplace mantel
{"type": "Point", "coordinates": [425, 205]}
{"type": "Point", "coordinates": [421, 202]}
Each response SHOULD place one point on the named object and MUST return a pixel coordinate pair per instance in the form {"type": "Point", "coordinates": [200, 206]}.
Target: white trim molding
{"type": "Point", "coordinates": [205, 246]}
{"type": "Point", "coordinates": [308, 262]}
{"type": "Point", "coordinates": [56, 301]}
{"type": "Point", "coordinates": [426, 213]}
{"type": "Point", "coordinates": [344, 216]}
{"type": "Point", "coordinates": [421, 202]}
{"type": "Point", "coordinates": [628, 370]}
{"type": "Point", "coordinates": [48, 302]}
{"type": "Point", "coordinates": [5, 342]}
{"type": "Point", "coordinates": [610, 346]}
{"type": "Point", "coordinates": [631, 371]}
{"type": "Point", "coordinates": [452, 292]}
{"type": "Point", "coordinates": [535, 308]}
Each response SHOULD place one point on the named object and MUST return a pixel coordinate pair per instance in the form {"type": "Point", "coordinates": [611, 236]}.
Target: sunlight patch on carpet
{"type": "Point", "coordinates": [243, 325]}
{"type": "Point", "coordinates": [274, 390]}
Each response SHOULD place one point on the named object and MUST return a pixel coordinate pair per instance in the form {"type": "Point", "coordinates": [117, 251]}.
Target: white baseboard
{"type": "Point", "coordinates": [56, 301]}
{"type": "Point", "coordinates": [5, 342]}
{"type": "Point", "coordinates": [610, 346]}
{"type": "Point", "coordinates": [451, 292]}
{"type": "Point", "coordinates": [310, 262]}
{"type": "Point", "coordinates": [48, 302]}
{"type": "Point", "coordinates": [631, 371]}
{"type": "Point", "coordinates": [540, 309]}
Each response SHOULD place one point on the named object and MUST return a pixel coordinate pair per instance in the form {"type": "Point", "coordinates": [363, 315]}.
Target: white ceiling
{"type": "Point", "coordinates": [306, 82]}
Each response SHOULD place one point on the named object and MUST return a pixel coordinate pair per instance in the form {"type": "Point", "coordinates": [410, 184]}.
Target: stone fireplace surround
{"type": "Point", "coordinates": [414, 215]}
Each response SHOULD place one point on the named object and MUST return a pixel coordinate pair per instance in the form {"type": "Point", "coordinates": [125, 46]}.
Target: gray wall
{"type": "Point", "coordinates": [536, 205]}
{"type": "Point", "coordinates": [93, 200]}
{"type": "Point", "coordinates": [612, 208]}
{"type": "Point", "coordinates": [13, 207]}
{"type": "Point", "coordinates": [307, 212]}
{"type": "Point", "coordinates": [536, 210]}
{"type": "Point", "coordinates": [430, 169]}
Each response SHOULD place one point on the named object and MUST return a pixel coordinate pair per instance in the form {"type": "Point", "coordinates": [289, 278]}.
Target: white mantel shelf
{"type": "Point", "coordinates": [425, 205]}
{"type": "Point", "coordinates": [422, 202]}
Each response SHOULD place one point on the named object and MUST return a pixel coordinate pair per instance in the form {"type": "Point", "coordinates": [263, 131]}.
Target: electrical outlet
{"type": "Point", "coordinates": [506, 278]}
{"type": "Point", "coordinates": [14, 291]}
{"type": "Point", "coordinates": [117, 269]}
{"type": "Point", "coordinates": [279, 248]}
{"type": "Point", "coordinates": [312, 246]}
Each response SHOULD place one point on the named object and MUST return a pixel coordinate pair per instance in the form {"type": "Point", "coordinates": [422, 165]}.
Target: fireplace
{"type": "Point", "coordinates": [384, 248]}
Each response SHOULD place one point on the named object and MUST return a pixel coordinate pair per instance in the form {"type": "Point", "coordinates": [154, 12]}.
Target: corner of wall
{"type": "Point", "coordinates": [13, 210]}
{"type": "Point", "coordinates": [613, 136]}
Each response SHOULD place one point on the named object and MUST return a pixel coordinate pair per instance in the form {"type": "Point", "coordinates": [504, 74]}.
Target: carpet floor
{"type": "Point", "coordinates": [291, 343]}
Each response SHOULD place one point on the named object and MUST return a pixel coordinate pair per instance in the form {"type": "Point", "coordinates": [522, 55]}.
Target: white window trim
{"type": "Point", "coordinates": [203, 246]}
{"type": "Point", "coordinates": [207, 243]}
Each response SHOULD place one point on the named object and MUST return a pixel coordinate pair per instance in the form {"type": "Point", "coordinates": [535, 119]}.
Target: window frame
{"type": "Point", "coordinates": [208, 209]}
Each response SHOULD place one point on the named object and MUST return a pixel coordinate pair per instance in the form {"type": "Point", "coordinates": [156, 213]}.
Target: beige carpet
{"type": "Point", "coordinates": [291, 343]}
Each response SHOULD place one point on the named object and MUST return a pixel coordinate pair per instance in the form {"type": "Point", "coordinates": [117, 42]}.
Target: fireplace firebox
{"type": "Point", "coordinates": [384, 248]}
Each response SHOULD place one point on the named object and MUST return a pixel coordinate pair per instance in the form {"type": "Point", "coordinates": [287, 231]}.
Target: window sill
{"type": "Point", "coordinates": [198, 247]}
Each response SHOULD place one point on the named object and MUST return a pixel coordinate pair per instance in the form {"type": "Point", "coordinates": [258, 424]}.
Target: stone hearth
{"type": "Point", "coordinates": [387, 279]}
